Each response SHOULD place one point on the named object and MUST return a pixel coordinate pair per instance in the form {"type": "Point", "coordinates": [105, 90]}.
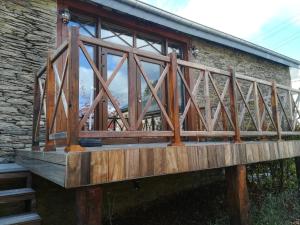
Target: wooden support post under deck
{"type": "Point", "coordinates": [73, 93]}
{"type": "Point", "coordinates": [237, 193]}
{"type": "Point", "coordinates": [89, 205]}
{"type": "Point", "coordinates": [297, 163]}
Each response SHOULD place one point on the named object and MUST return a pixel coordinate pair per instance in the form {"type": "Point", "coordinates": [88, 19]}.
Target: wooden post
{"type": "Point", "coordinates": [173, 99]}
{"type": "Point", "coordinates": [50, 103]}
{"type": "Point", "coordinates": [73, 93]}
{"type": "Point", "coordinates": [89, 205]}
{"type": "Point", "coordinates": [207, 102]}
{"type": "Point", "coordinates": [36, 111]}
{"type": "Point", "coordinates": [256, 106]}
{"type": "Point", "coordinates": [234, 106]}
{"type": "Point", "coordinates": [236, 176]}
{"type": "Point", "coordinates": [238, 200]}
{"type": "Point", "coordinates": [275, 111]}
{"type": "Point", "coordinates": [297, 163]}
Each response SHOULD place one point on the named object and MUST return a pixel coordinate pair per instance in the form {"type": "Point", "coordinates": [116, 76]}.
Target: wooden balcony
{"type": "Point", "coordinates": [209, 118]}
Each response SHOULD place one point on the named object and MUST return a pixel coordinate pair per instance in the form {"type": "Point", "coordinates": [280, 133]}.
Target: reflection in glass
{"type": "Point", "coordinates": [116, 36]}
{"type": "Point", "coordinates": [86, 84]}
{"type": "Point", "coordinates": [177, 49]}
{"type": "Point", "coordinates": [152, 120]}
{"type": "Point", "coordinates": [87, 25]}
{"type": "Point", "coordinates": [149, 45]}
{"type": "Point", "coordinates": [119, 90]}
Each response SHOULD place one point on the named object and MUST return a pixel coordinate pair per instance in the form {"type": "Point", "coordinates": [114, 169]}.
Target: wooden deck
{"type": "Point", "coordinates": [218, 105]}
{"type": "Point", "coordinates": [118, 163]}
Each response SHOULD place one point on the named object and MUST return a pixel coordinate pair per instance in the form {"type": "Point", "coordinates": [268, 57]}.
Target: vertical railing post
{"type": "Point", "coordinates": [275, 110]}
{"type": "Point", "coordinates": [256, 106]}
{"type": "Point", "coordinates": [234, 106]}
{"type": "Point", "coordinates": [36, 112]}
{"type": "Point", "coordinates": [173, 99]}
{"type": "Point", "coordinates": [73, 92]}
{"type": "Point", "coordinates": [207, 102]}
{"type": "Point", "coordinates": [50, 103]}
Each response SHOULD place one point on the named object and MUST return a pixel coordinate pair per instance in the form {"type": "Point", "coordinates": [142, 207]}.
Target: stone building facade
{"type": "Point", "coordinates": [221, 57]}
{"type": "Point", "coordinates": [27, 31]}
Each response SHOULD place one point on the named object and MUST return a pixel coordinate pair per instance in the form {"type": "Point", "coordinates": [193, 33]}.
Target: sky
{"type": "Point", "coordinates": [274, 24]}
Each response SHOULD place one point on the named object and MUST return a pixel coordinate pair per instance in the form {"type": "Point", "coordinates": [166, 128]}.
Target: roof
{"type": "Point", "coordinates": [158, 16]}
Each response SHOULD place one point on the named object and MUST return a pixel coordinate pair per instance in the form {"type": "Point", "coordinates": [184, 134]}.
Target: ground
{"type": "Point", "coordinates": [206, 206]}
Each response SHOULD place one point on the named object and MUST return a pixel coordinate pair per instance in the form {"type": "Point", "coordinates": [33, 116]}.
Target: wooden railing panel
{"type": "Point", "coordinates": [228, 105]}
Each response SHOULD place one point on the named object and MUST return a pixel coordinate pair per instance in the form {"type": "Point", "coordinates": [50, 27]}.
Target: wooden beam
{"type": "Point", "coordinates": [238, 200]}
{"type": "Point", "coordinates": [89, 205]}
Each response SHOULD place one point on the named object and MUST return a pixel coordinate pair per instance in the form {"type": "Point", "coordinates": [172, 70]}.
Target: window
{"type": "Point", "coordinates": [117, 36]}
{"type": "Point", "coordinates": [150, 45]}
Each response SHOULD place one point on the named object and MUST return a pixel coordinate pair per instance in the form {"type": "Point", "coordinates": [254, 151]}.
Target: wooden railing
{"type": "Point", "coordinates": [215, 103]}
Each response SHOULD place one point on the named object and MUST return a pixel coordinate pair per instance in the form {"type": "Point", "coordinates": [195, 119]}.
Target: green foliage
{"type": "Point", "coordinates": [272, 176]}
{"type": "Point", "coordinates": [276, 209]}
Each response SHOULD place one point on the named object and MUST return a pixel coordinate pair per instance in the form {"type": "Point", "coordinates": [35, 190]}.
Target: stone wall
{"type": "Point", "coordinates": [221, 57]}
{"type": "Point", "coordinates": [27, 32]}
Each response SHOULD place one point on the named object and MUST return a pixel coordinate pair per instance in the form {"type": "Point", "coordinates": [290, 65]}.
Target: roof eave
{"type": "Point", "coordinates": [166, 19]}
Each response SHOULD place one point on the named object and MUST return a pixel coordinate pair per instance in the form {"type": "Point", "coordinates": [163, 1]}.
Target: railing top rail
{"type": "Point", "coordinates": [54, 56]}
{"type": "Point", "coordinates": [112, 46]}
{"type": "Point", "coordinates": [199, 66]}
{"type": "Point", "coordinates": [280, 86]}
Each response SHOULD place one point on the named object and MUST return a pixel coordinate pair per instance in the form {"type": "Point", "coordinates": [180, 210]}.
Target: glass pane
{"type": "Point", "coordinates": [119, 90]}
{"type": "Point", "coordinates": [116, 36]}
{"type": "Point", "coordinates": [152, 119]}
{"type": "Point", "coordinates": [153, 72]}
{"type": "Point", "coordinates": [149, 45]}
{"type": "Point", "coordinates": [178, 50]}
{"type": "Point", "coordinates": [87, 25]}
{"type": "Point", "coordinates": [86, 85]}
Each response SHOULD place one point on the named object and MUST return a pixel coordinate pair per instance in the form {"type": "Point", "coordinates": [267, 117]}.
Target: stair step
{"type": "Point", "coordinates": [13, 171]}
{"type": "Point", "coordinates": [11, 168]}
{"type": "Point", "coordinates": [21, 219]}
{"type": "Point", "coordinates": [14, 195]}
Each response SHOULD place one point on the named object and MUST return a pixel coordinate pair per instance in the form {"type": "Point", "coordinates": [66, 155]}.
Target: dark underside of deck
{"type": "Point", "coordinates": [118, 163]}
